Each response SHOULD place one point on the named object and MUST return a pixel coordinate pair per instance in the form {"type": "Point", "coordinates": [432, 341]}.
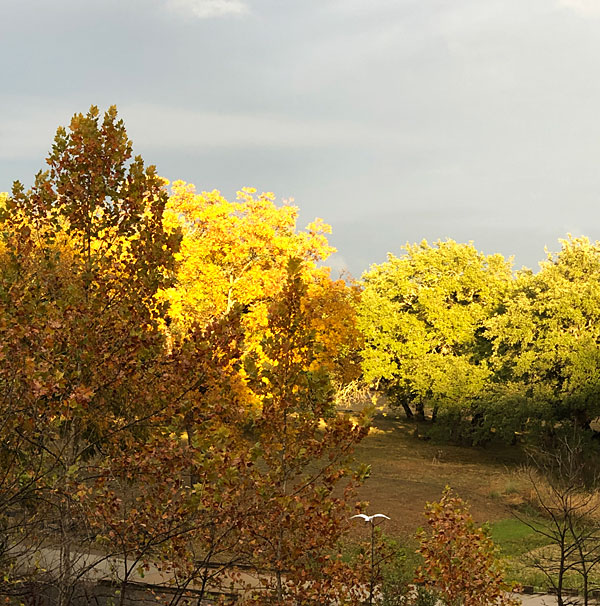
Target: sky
{"type": "Point", "coordinates": [393, 120]}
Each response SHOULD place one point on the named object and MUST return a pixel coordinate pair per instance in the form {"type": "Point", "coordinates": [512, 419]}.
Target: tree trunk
{"type": "Point", "coordinates": [561, 574]}
{"type": "Point", "coordinates": [420, 410]}
{"type": "Point", "coordinates": [65, 565]}
{"type": "Point", "coordinates": [407, 410]}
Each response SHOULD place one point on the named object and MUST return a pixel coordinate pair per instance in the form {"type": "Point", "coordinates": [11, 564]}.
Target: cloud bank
{"type": "Point", "coordinates": [583, 7]}
{"type": "Point", "coordinates": [179, 128]}
{"type": "Point", "coordinates": [208, 9]}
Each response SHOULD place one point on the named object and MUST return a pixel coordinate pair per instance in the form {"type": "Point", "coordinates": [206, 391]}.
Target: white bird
{"type": "Point", "coordinates": [367, 518]}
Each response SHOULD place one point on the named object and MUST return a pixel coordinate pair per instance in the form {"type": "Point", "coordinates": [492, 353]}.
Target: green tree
{"type": "Point", "coordinates": [423, 316]}
{"type": "Point", "coordinates": [545, 342]}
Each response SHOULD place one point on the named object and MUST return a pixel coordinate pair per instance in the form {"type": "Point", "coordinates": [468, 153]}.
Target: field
{"type": "Point", "coordinates": [408, 471]}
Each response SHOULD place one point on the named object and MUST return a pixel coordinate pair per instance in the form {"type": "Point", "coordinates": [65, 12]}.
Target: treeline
{"type": "Point", "coordinates": [169, 363]}
{"type": "Point", "coordinates": [166, 386]}
{"type": "Point", "coordinates": [453, 332]}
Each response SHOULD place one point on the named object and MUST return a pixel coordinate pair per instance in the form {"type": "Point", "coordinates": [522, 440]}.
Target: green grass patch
{"type": "Point", "coordinates": [514, 537]}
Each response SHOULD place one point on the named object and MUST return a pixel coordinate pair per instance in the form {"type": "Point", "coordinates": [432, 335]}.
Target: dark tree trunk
{"type": "Point", "coordinates": [407, 410]}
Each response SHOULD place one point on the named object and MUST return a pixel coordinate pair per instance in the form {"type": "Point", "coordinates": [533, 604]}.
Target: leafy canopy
{"type": "Point", "coordinates": [545, 343]}
{"type": "Point", "coordinates": [422, 316]}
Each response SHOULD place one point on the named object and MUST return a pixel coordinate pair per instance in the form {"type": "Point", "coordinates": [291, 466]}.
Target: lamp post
{"type": "Point", "coordinates": [371, 521]}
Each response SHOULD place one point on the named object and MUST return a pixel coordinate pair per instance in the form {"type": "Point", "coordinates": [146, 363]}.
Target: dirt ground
{"type": "Point", "coordinates": [407, 472]}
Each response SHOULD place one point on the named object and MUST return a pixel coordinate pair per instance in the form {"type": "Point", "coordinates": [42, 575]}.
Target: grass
{"type": "Point", "coordinates": [408, 471]}
{"type": "Point", "coordinates": [515, 538]}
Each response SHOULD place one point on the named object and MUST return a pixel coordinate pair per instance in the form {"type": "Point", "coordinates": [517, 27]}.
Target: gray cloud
{"type": "Point", "coordinates": [394, 120]}
{"type": "Point", "coordinates": [227, 129]}
{"type": "Point", "coordinates": [207, 9]}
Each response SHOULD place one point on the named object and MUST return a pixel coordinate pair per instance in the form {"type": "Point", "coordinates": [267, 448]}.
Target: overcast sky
{"type": "Point", "coordinates": [393, 120]}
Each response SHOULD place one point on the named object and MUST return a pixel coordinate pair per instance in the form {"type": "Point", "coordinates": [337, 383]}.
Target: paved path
{"type": "Point", "coordinates": [114, 567]}
{"type": "Point", "coordinates": [545, 599]}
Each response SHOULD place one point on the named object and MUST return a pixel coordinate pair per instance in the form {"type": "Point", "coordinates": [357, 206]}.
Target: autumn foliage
{"type": "Point", "coordinates": [235, 255]}
{"type": "Point", "coordinates": [303, 448]}
{"type": "Point", "coordinates": [461, 565]}
{"type": "Point", "coordinates": [166, 372]}
{"type": "Point", "coordinates": [168, 369]}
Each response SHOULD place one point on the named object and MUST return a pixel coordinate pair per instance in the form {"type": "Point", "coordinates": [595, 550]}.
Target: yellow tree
{"type": "Point", "coordinates": [236, 254]}
{"type": "Point", "coordinates": [423, 317]}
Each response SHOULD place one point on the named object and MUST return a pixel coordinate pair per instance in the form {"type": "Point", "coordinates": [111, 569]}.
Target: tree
{"type": "Point", "coordinates": [545, 342]}
{"type": "Point", "coordinates": [422, 316]}
{"type": "Point", "coordinates": [460, 559]}
{"type": "Point", "coordinates": [140, 438]}
{"type": "Point", "coordinates": [83, 364]}
{"type": "Point", "coordinates": [208, 428]}
{"type": "Point", "coordinates": [303, 472]}
{"type": "Point", "coordinates": [564, 481]}
{"type": "Point", "coordinates": [234, 252]}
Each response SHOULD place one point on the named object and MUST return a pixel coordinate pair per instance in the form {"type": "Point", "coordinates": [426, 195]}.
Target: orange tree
{"type": "Point", "coordinates": [460, 559]}
{"type": "Point", "coordinates": [175, 497]}
{"type": "Point", "coordinates": [121, 438]}
{"type": "Point", "coordinates": [115, 440]}
{"type": "Point", "coordinates": [303, 471]}
{"type": "Point", "coordinates": [83, 355]}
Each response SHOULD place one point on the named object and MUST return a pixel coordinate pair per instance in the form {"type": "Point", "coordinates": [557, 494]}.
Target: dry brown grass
{"type": "Point", "coordinates": [407, 472]}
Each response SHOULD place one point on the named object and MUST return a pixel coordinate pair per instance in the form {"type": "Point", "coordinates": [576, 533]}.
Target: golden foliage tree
{"type": "Point", "coordinates": [125, 441]}
{"type": "Point", "coordinates": [236, 254]}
